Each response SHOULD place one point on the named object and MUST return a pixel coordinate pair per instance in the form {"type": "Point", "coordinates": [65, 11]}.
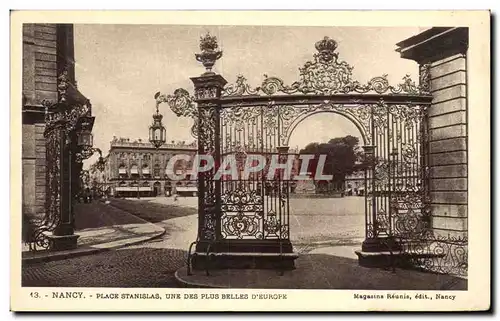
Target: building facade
{"type": "Point", "coordinates": [137, 169]}
{"type": "Point", "coordinates": [355, 184]}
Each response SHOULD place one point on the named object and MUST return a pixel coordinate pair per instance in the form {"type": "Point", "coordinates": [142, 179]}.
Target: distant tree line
{"type": "Point", "coordinates": [344, 156]}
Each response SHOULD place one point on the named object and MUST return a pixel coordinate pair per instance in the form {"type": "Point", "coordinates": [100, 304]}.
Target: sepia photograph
{"type": "Point", "coordinates": [225, 156]}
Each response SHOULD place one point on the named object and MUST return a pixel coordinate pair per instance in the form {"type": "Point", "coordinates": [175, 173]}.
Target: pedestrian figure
{"type": "Point", "coordinates": [176, 197]}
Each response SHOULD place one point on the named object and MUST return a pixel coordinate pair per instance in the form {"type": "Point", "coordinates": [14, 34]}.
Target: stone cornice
{"type": "Point", "coordinates": [434, 44]}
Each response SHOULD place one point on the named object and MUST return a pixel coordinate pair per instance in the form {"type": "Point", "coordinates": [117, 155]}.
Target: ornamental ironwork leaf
{"type": "Point", "coordinates": [180, 102]}
{"type": "Point", "coordinates": [67, 116]}
{"type": "Point", "coordinates": [239, 88]}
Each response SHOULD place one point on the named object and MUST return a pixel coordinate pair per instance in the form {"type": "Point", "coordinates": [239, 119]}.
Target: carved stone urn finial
{"type": "Point", "coordinates": [209, 53]}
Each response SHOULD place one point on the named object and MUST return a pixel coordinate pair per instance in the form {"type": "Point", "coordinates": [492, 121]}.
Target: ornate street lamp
{"type": "Point", "coordinates": [85, 141]}
{"type": "Point", "coordinates": [157, 132]}
{"type": "Point", "coordinates": [85, 138]}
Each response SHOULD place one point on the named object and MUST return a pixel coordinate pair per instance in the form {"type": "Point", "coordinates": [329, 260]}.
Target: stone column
{"type": "Point", "coordinates": [442, 56]}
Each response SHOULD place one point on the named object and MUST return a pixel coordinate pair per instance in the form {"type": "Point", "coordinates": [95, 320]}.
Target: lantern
{"type": "Point", "coordinates": [85, 137]}
{"type": "Point", "coordinates": [157, 132]}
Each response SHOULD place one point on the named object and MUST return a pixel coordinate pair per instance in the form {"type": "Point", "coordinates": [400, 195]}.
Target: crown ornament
{"type": "Point", "coordinates": [157, 117]}
{"type": "Point", "coordinates": [326, 48]}
{"type": "Point", "coordinates": [209, 52]}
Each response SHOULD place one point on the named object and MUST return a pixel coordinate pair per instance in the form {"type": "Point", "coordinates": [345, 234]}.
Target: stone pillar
{"type": "Point", "coordinates": [442, 56]}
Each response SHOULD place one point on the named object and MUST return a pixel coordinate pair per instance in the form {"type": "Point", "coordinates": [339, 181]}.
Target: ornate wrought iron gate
{"type": "Point", "coordinates": [69, 122]}
{"type": "Point", "coordinates": [251, 214]}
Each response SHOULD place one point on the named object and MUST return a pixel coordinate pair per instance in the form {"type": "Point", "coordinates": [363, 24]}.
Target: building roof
{"type": "Point", "coordinates": [144, 144]}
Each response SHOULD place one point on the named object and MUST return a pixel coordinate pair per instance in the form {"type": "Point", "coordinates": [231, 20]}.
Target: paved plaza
{"type": "Point", "coordinates": [325, 232]}
{"type": "Point", "coordinates": [316, 222]}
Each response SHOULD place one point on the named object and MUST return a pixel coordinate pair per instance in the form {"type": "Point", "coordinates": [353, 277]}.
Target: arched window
{"type": "Point", "coordinates": [134, 170]}
{"type": "Point", "coordinates": [180, 167]}
{"type": "Point", "coordinates": [145, 170]}
{"type": "Point", "coordinates": [122, 170]}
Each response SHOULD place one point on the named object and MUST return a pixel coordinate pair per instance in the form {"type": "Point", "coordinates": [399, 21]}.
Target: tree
{"type": "Point", "coordinates": [342, 155]}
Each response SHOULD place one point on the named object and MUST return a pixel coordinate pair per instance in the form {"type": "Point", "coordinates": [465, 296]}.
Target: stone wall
{"type": "Point", "coordinates": [28, 169]}
{"type": "Point", "coordinates": [39, 63]}
{"type": "Point", "coordinates": [39, 83]}
{"type": "Point", "coordinates": [444, 49]}
{"type": "Point", "coordinates": [448, 145]}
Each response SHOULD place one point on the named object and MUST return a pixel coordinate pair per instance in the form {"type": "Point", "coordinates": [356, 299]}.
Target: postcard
{"type": "Point", "coordinates": [250, 161]}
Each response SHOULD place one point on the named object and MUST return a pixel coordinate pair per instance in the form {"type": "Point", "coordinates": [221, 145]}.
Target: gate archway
{"type": "Point", "coordinates": [245, 224]}
{"type": "Point", "coordinates": [337, 110]}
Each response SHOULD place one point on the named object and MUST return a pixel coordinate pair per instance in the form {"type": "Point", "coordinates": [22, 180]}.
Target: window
{"type": "Point", "coordinates": [156, 170]}
{"type": "Point", "coordinates": [122, 170]}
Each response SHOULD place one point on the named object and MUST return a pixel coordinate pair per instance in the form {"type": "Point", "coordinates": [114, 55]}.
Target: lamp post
{"type": "Point", "coordinates": [85, 142]}
{"type": "Point", "coordinates": [157, 132]}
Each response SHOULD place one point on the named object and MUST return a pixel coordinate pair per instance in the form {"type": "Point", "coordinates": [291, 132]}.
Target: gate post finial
{"type": "Point", "coordinates": [209, 53]}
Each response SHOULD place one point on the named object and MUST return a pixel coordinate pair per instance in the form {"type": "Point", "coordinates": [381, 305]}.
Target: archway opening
{"type": "Point", "coordinates": [156, 189]}
{"type": "Point", "coordinates": [327, 209]}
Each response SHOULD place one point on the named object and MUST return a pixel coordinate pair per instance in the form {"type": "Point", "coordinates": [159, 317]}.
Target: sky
{"type": "Point", "coordinates": [120, 68]}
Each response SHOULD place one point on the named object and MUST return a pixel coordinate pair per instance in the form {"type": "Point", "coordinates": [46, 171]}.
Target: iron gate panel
{"type": "Point", "coordinates": [395, 177]}
{"type": "Point", "coordinates": [253, 207]}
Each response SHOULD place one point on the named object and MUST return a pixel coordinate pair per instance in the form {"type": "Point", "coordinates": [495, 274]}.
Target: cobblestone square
{"type": "Point", "coordinates": [314, 224]}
